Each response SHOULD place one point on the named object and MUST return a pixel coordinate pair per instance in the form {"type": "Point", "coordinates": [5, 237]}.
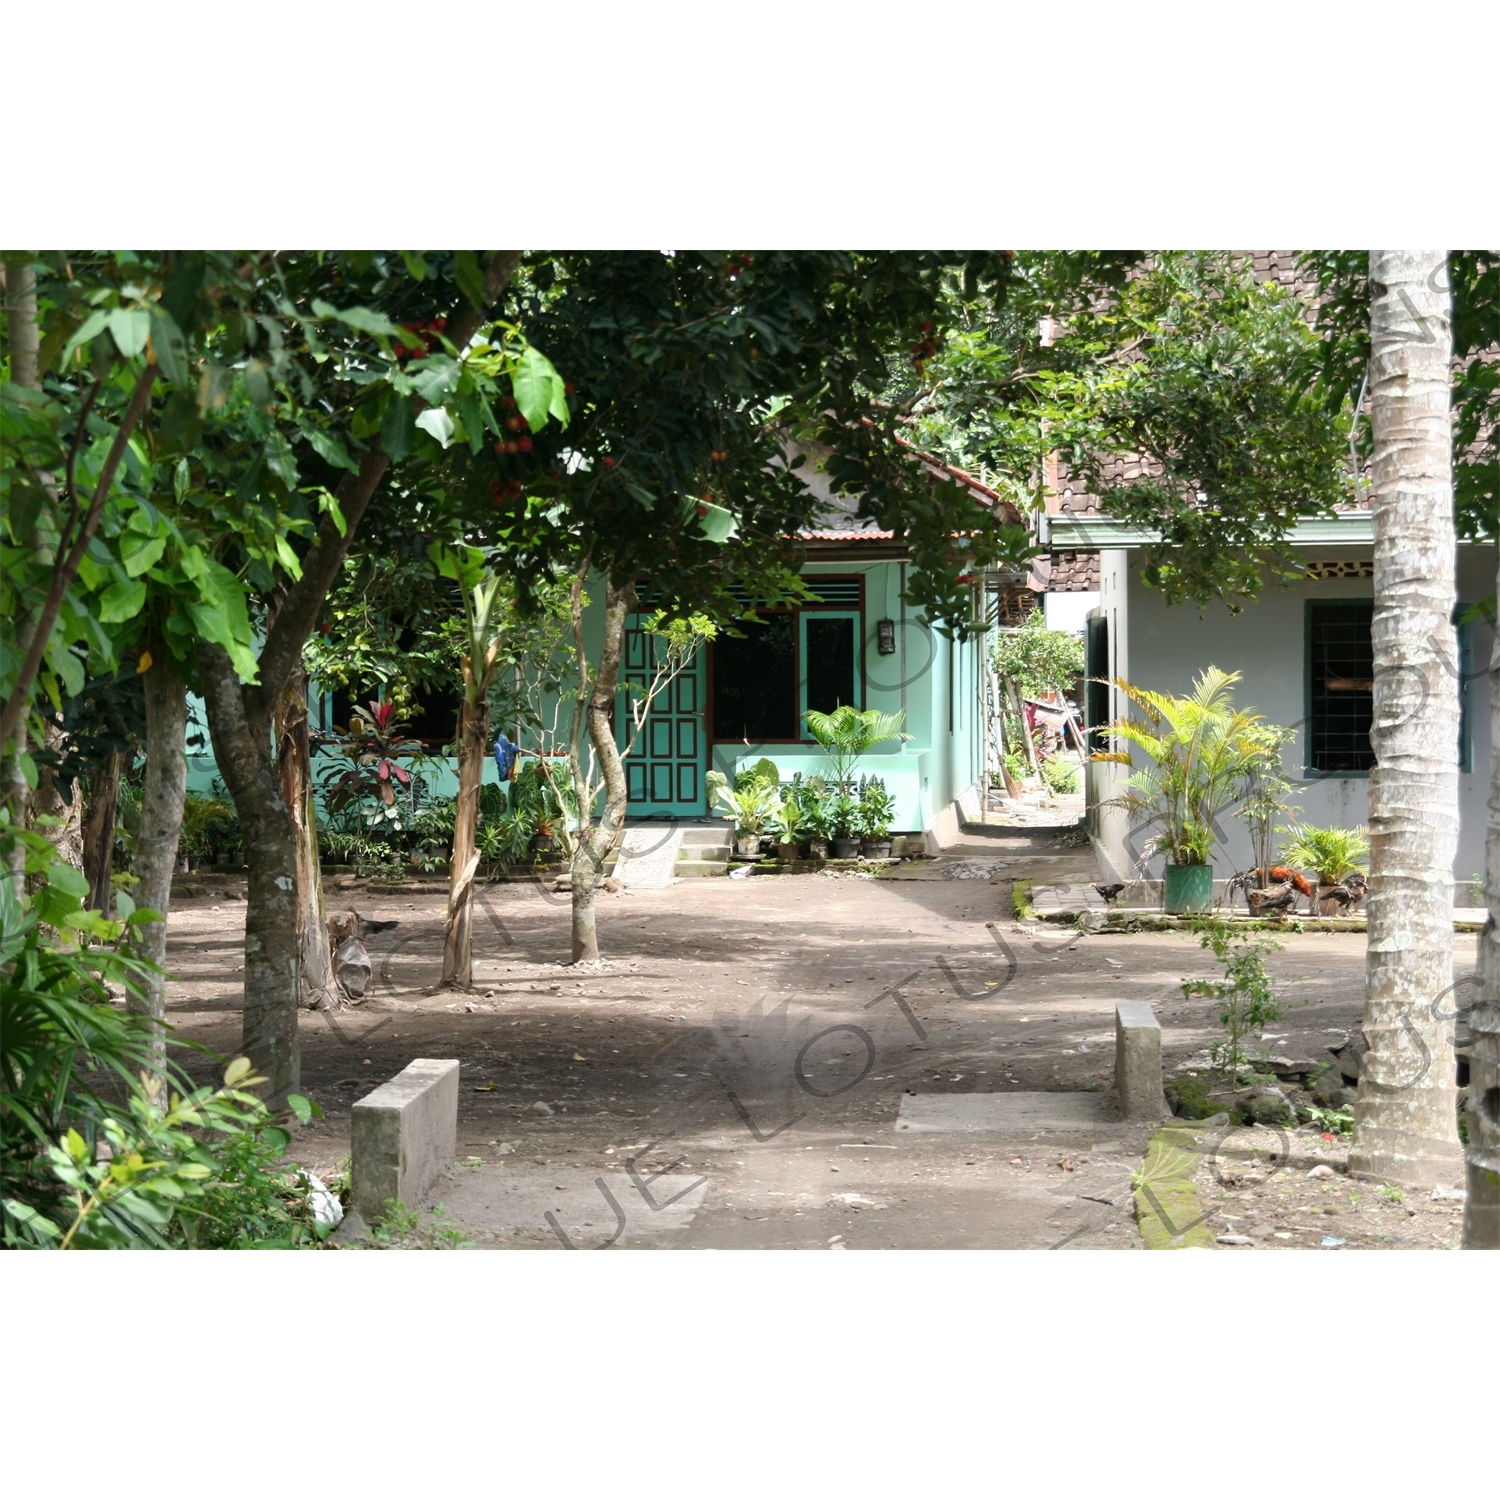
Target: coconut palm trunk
{"type": "Point", "coordinates": [1482, 1115]}
{"type": "Point", "coordinates": [1405, 1123]}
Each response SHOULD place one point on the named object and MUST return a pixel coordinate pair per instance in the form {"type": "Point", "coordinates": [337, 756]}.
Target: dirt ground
{"type": "Point", "coordinates": [734, 1074]}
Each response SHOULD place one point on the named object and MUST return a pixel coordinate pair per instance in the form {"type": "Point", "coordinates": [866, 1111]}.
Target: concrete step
{"type": "Point", "coordinates": [698, 867]}
{"type": "Point", "coordinates": [697, 835]}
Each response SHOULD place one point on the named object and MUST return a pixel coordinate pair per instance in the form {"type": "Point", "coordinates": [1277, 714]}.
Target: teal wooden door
{"type": "Point", "coordinates": [664, 771]}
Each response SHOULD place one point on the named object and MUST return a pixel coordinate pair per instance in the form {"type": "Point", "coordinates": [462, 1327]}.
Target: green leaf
{"type": "Point", "coordinates": [122, 601]}
{"type": "Point", "coordinates": [416, 264]}
{"type": "Point", "coordinates": [716, 523]}
{"type": "Point", "coordinates": [75, 1146]}
{"type": "Point", "coordinates": [538, 389]}
{"type": "Point", "coordinates": [397, 427]}
{"type": "Point", "coordinates": [65, 878]}
{"type": "Point", "coordinates": [180, 477]}
{"type": "Point", "coordinates": [280, 461]}
{"type": "Point", "coordinates": [169, 347]}
{"type": "Point", "coordinates": [469, 277]}
{"type": "Point", "coordinates": [289, 559]}
{"type": "Point", "coordinates": [361, 319]}
{"type": "Point", "coordinates": [92, 327]}
{"type": "Point", "coordinates": [130, 328]}
{"type": "Point", "coordinates": [437, 379]}
{"type": "Point", "coordinates": [299, 1107]}
{"type": "Point", "coordinates": [238, 1069]}
{"type": "Point", "coordinates": [328, 505]}
{"type": "Point", "coordinates": [329, 448]}
{"type": "Point", "coordinates": [125, 905]}
{"type": "Point", "coordinates": [437, 421]}
{"type": "Point", "coordinates": [139, 552]}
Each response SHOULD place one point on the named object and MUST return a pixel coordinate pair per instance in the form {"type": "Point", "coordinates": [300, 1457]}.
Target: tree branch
{"type": "Point", "coordinates": [65, 572]}
{"type": "Point", "coordinates": [296, 618]}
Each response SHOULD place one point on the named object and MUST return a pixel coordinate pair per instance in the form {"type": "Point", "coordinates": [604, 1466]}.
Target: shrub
{"type": "Point", "coordinates": [1330, 853]}
{"type": "Point", "coordinates": [1061, 777]}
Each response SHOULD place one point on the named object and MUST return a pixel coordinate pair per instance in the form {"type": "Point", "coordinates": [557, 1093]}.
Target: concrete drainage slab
{"type": "Point", "coordinates": [1004, 1113]}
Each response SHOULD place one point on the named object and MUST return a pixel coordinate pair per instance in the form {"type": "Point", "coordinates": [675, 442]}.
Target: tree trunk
{"type": "Point", "coordinates": [66, 835]}
{"type": "Point", "coordinates": [294, 769]}
{"type": "Point", "coordinates": [1482, 1116]}
{"type": "Point", "coordinates": [161, 821]}
{"type": "Point", "coordinates": [23, 339]}
{"type": "Point", "coordinates": [99, 833]}
{"type": "Point", "coordinates": [593, 849]}
{"type": "Point", "coordinates": [458, 939]}
{"type": "Point", "coordinates": [1405, 1125]}
{"type": "Point", "coordinates": [242, 748]}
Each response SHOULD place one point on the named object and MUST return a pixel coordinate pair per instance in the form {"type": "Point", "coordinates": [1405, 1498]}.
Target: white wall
{"type": "Point", "coordinates": [1167, 646]}
{"type": "Point", "coordinates": [1068, 611]}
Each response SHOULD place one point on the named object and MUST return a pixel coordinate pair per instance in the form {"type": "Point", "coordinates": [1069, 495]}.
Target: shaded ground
{"type": "Point", "coordinates": [754, 1040]}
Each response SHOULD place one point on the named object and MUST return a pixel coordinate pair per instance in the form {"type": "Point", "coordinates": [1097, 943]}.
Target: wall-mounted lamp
{"type": "Point", "coordinates": [885, 637]}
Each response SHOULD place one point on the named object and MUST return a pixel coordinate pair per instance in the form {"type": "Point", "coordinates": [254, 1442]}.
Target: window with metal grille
{"type": "Point", "coordinates": [1340, 683]}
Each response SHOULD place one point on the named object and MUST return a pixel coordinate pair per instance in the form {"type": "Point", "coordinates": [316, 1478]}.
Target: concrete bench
{"type": "Point", "coordinates": [1138, 1062]}
{"type": "Point", "coordinates": [403, 1136]}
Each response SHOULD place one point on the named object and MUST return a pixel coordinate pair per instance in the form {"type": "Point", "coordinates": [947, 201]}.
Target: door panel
{"type": "Point", "coordinates": [665, 771]}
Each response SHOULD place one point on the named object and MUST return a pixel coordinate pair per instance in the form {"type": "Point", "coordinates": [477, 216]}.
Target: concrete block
{"type": "Point", "coordinates": [404, 1135]}
{"type": "Point", "coordinates": [1138, 1062]}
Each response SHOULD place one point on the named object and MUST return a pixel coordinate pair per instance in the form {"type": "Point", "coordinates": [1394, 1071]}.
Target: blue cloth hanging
{"type": "Point", "coordinates": [505, 756]}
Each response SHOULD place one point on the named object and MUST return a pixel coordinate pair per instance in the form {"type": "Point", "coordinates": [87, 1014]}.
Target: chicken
{"type": "Point", "coordinates": [1342, 899]}
{"type": "Point", "coordinates": [351, 959]}
{"type": "Point", "coordinates": [1111, 893]}
{"type": "Point", "coordinates": [1271, 900]}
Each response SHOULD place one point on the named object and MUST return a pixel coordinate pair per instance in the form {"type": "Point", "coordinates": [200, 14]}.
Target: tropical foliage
{"type": "Point", "coordinates": [1202, 752]}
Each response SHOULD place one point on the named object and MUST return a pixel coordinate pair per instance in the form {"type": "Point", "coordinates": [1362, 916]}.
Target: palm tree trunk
{"type": "Point", "coordinates": [1482, 1206]}
{"type": "Point", "coordinates": [1405, 1123]}
{"type": "Point", "coordinates": [458, 938]}
{"type": "Point", "coordinates": [162, 797]}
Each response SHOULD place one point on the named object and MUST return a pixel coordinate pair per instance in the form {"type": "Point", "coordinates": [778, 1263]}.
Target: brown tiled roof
{"type": "Point", "coordinates": [1074, 573]}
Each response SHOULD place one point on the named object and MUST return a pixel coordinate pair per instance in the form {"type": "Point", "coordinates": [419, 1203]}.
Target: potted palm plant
{"type": "Point", "coordinates": [848, 733]}
{"type": "Point", "coordinates": [841, 812]}
{"type": "Point", "coordinates": [1331, 854]}
{"type": "Point", "coordinates": [1203, 752]}
{"type": "Point", "coordinates": [877, 809]}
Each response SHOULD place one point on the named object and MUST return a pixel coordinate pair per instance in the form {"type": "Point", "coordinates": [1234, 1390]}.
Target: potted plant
{"type": "Point", "coordinates": [1203, 752]}
{"type": "Point", "coordinates": [842, 814]}
{"type": "Point", "coordinates": [815, 821]}
{"type": "Point", "coordinates": [847, 733]}
{"type": "Point", "coordinates": [751, 807]}
{"type": "Point", "coordinates": [1331, 854]}
{"type": "Point", "coordinates": [877, 809]}
{"type": "Point", "coordinates": [786, 823]}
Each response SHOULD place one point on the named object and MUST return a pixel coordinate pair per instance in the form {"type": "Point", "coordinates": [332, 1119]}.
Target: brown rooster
{"type": "Point", "coordinates": [1278, 898]}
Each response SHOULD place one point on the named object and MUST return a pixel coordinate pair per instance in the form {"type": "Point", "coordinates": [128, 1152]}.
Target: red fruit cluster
{"type": "Point", "coordinates": [502, 490]}
{"type": "Point", "coordinates": [428, 334]}
{"type": "Point", "coordinates": [740, 264]}
{"type": "Point", "coordinates": [719, 455]}
{"type": "Point", "coordinates": [609, 463]}
{"type": "Point", "coordinates": [927, 347]}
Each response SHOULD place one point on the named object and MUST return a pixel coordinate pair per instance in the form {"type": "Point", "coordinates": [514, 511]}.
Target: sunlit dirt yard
{"type": "Point", "coordinates": [753, 1041]}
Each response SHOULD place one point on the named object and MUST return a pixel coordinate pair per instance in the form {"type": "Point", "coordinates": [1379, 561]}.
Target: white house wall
{"type": "Point", "coordinates": [1165, 647]}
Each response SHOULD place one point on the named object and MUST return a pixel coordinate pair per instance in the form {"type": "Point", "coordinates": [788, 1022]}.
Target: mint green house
{"type": "Point", "coordinates": [744, 698]}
